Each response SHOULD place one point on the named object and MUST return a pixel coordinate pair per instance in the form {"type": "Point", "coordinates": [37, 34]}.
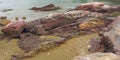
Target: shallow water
{"type": "Point", "coordinates": [21, 7]}
{"type": "Point", "coordinates": [8, 48]}
{"type": "Point", "coordinates": [73, 47]}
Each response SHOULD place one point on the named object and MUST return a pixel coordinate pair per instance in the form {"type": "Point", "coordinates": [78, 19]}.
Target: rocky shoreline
{"type": "Point", "coordinates": [85, 19]}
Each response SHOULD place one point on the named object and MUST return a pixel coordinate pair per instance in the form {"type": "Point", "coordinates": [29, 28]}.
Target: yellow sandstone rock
{"type": "Point", "coordinates": [4, 21]}
{"type": "Point", "coordinates": [91, 24]}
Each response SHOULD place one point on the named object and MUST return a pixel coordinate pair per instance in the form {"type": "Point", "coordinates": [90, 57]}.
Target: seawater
{"type": "Point", "coordinates": [21, 7]}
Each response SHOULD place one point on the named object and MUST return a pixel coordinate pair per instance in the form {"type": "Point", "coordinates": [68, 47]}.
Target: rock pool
{"type": "Point", "coordinates": [72, 48]}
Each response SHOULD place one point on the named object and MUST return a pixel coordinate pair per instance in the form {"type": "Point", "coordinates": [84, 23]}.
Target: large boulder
{"type": "Point", "coordinates": [98, 56]}
{"type": "Point", "coordinates": [14, 29]}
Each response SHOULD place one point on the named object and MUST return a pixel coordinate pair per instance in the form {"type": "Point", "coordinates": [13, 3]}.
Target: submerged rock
{"type": "Point", "coordinates": [6, 10]}
{"type": "Point", "coordinates": [98, 56]}
{"type": "Point", "coordinates": [49, 7]}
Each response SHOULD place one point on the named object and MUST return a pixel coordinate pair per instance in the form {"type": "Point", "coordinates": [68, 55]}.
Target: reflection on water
{"type": "Point", "coordinates": [21, 7]}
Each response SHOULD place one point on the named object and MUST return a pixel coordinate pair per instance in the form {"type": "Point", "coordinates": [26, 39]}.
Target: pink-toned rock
{"type": "Point", "coordinates": [14, 28]}
{"type": "Point", "coordinates": [88, 6]}
{"type": "Point", "coordinates": [96, 7]}
{"type": "Point", "coordinates": [62, 24]}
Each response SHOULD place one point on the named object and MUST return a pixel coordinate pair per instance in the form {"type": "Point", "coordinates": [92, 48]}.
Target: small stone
{"type": "Point", "coordinates": [48, 53]}
{"type": "Point", "coordinates": [3, 17]}
{"type": "Point", "coordinates": [16, 18]}
{"type": "Point", "coordinates": [24, 17]}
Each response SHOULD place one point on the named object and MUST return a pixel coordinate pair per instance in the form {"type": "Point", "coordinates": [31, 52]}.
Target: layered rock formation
{"type": "Point", "coordinates": [64, 25]}
{"type": "Point", "coordinates": [109, 40]}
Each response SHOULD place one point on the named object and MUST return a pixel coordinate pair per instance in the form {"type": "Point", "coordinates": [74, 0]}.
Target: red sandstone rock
{"type": "Point", "coordinates": [96, 7]}
{"type": "Point", "coordinates": [14, 28]}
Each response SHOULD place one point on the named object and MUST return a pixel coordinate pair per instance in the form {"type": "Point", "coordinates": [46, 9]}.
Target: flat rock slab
{"type": "Point", "coordinates": [98, 56]}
